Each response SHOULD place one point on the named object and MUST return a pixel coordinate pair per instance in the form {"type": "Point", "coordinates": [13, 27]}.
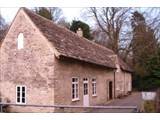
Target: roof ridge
{"type": "Point", "coordinates": [73, 33]}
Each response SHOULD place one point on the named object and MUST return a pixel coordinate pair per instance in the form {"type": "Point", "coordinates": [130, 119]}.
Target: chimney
{"type": "Point", "coordinates": [79, 32]}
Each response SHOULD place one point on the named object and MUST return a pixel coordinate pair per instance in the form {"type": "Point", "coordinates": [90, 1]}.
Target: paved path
{"type": "Point", "coordinates": [134, 99]}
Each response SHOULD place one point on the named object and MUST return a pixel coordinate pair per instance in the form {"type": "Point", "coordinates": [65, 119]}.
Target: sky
{"type": "Point", "coordinates": [70, 13]}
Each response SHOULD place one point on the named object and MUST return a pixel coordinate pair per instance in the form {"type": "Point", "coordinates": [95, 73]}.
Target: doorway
{"type": "Point", "coordinates": [110, 90]}
{"type": "Point", "coordinates": [85, 92]}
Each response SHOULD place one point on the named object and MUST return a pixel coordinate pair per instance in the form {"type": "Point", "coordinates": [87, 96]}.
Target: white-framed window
{"type": "Point", "coordinates": [20, 94]}
{"type": "Point", "coordinates": [20, 41]}
{"type": "Point", "coordinates": [94, 91]}
{"type": "Point", "coordinates": [75, 89]}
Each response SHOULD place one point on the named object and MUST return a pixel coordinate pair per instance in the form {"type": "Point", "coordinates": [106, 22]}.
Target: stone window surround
{"type": "Point", "coordinates": [21, 86]}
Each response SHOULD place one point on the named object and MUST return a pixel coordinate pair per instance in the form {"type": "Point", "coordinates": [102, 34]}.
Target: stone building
{"type": "Point", "coordinates": [45, 64]}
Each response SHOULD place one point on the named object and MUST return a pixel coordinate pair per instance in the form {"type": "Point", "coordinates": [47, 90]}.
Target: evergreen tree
{"type": "Point", "coordinates": [44, 12]}
{"type": "Point", "coordinates": [143, 43]}
{"type": "Point", "coordinates": [144, 47]}
{"type": "Point", "coordinates": [85, 28]}
{"type": "Point", "coordinates": [153, 66]}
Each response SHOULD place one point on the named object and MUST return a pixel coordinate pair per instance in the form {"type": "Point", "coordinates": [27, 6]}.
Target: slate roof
{"type": "Point", "coordinates": [69, 44]}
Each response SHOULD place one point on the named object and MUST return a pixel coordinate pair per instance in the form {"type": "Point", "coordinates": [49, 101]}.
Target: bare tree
{"type": "Point", "coordinates": [57, 14]}
{"type": "Point", "coordinates": [64, 23]}
{"type": "Point", "coordinates": [3, 28]}
{"type": "Point", "coordinates": [2, 22]}
{"type": "Point", "coordinates": [112, 22]}
{"type": "Point", "coordinates": [53, 13]}
{"type": "Point", "coordinates": [152, 16]}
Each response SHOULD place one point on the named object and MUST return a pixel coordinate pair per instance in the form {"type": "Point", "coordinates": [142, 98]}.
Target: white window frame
{"type": "Point", "coordinates": [86, 80]}
{"type": "Point", "coordinates": [94, 87]}
{"type": "Point", "coordinates": [77, 82]}
{"type": "Point", "coordinates": [21, 94]}
{"type": "Point", "coordinates": [20, 41]}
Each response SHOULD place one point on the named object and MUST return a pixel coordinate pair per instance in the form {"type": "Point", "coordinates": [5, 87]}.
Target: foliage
{"type": "Point", "coordinates": [143, 43]}
{"type": "Point", "coordinates": [144, 47]}
{"type": "Point", "coordinates": [149, 107]}
{"type": "Point", "coordinates": [85, 28]}
{"type": "Point", "coordinates": [152, 80]}
{"type": "Point", "coordinates": [64, 23]}
{"type": "Point", "coordinates": [153, 67]}
{"type": "Point", "coordinates": [44, 12]}
{"type": "Point", "coordinates": [53, 13]}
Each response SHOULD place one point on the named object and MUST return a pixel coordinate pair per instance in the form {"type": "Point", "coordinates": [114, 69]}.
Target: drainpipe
{"type": "Point", "coordinates": [115, 84]}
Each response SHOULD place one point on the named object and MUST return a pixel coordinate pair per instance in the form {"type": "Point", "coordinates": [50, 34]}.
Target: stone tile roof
{"type": "Point", "coordinates": [69, 44]}
{"type": "Point", "coordinates": [124, 66]}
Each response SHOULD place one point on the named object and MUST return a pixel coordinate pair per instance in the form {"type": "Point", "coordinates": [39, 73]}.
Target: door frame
{"type": "Point", "coordinates": [110, 90]}
{"type": "Point", "coordinates": [86, 81]}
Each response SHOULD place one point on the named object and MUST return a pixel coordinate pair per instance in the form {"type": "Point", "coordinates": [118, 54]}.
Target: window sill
{"type": "Point", "coordinates": [20, 103]}
{"type": "Point", "coordinates": [94, 95]}
{"type": "Point", "coordinates": [77, 99]}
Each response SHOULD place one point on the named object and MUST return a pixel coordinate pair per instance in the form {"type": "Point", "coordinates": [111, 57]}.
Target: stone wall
{"type": "Point", "coordinates": [123, 83]}
{"type": "Point", "coordinates": [66, 69]}
{"type": "Point", "coordinates": [31, 66]}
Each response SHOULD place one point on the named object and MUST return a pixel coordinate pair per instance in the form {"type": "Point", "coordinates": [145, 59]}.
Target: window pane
{"type": "Point", "coordinates": [85, 88]}
{"type": "Point", "coordinates": [18, 99]}
{"type": "Point", "coordinates": [23, 89]}
{"type": "Point", "coordinates": [18, 88]}
{"type": "Point", "coordinates": [23, 100]}
{"type": "Point", "coordinates": [94, 88]}
{"type": "Point", "coordinates": [73, 79]}
{"type": "Point", "coordinates": [85, 79]}
{"type": "Point", "coordinates": [23, 94]}
{"type": "Point", "coordinates": [20, 41]}
{"type": "Point", "coordinates": [73, 94]}
{"type": "Point", "coordinates": [73, 91]}
{"type": "Point", "coordinates": [18, 94]}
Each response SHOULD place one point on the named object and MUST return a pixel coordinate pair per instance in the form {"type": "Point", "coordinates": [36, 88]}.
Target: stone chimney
{"type": "Point", "coordinates": [79, 32]}
{"type": "Point", "coordinates": [114, 58]}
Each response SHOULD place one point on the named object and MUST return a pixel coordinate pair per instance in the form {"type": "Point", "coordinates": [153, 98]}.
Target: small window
{"type": "Point", "coordinates": [75, 89]}
{"type": "Point", "coordinates": [21, 94]}
{"type": "Point", "coordinates": [94, 87]}
{"type": "Point", "coordinates": [20, 40]}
